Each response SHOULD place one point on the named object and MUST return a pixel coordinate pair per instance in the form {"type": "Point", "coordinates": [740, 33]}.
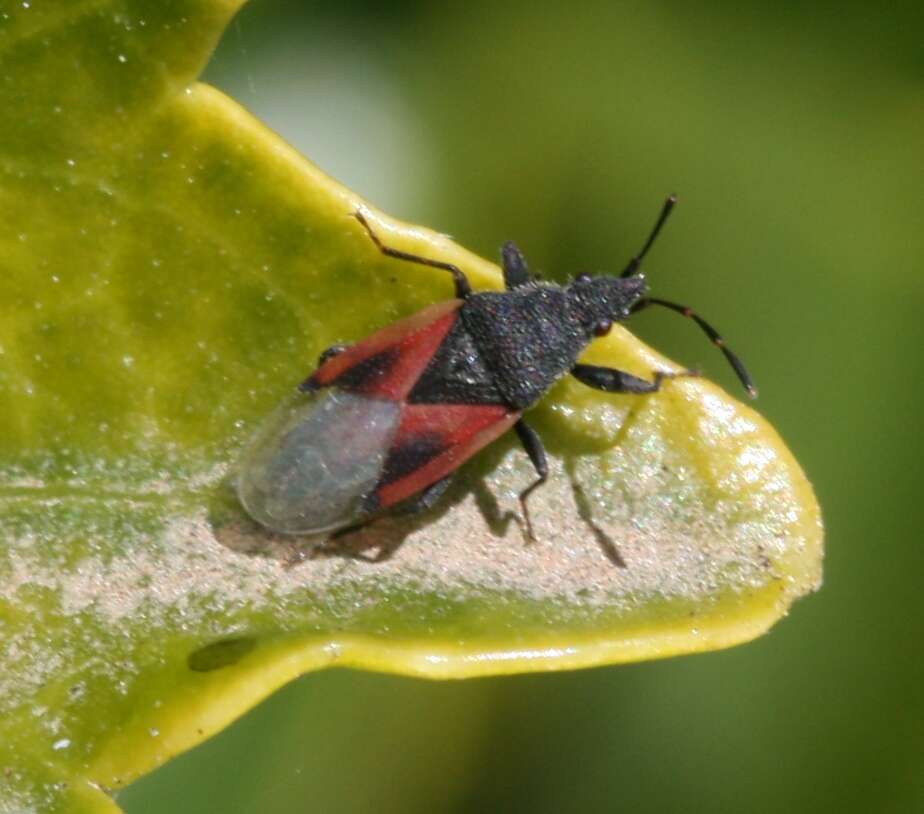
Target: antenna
{"type": "Point", "coordinates": [636, 261]}
{"type": "Point", "coordinates": [714, 336]}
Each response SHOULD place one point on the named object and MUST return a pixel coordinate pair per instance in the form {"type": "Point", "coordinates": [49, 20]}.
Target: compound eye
{"type": "Point", "coordinates": [603, 327]}
{"type": "Point", "coordinates": [582, 278]}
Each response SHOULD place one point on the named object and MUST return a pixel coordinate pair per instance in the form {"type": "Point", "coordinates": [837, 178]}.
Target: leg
{"type": "Point", "coordinates": [516, 272]}
{"type": "Point", "coordinates": [738, 366]}
{"type": "Point", "coordinates": [389, 541]}
{"type": "Point", "coordinates": [426, 499]}
{"type": "Point", "coordinates": [618, 381]}
{"type": "Point", "coordinates": [308, 386]}
{"type": "Point", "coordinates": [330, 353]}
{"type": "Point", "coordinates": [413, 505]}
{"type": "Point", "coordinates": [532, 443]}
{"type": "Point", "coordinates": [463, 289]}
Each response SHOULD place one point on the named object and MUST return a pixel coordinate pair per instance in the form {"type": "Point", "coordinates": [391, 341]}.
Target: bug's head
{"type": "Point", "coordinates": [599, 301]}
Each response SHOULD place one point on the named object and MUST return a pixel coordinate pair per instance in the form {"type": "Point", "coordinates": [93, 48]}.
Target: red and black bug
{"type": "Point", "coordinates": [391, 418]}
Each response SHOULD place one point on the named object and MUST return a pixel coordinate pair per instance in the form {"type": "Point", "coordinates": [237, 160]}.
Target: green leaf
{"type": "Point", "coordinates": [169, 270]}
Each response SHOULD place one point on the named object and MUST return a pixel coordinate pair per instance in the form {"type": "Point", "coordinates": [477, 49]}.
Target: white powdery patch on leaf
{"type": "Point", "coordinates": [94, 573]}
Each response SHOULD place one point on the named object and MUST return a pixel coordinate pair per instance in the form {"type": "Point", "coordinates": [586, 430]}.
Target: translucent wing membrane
{"type": "Point", "coordinates": [313, 462]}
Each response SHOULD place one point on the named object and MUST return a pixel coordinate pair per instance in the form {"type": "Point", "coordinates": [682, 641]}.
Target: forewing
{"type": "Point", "coordinates": [387, 364]}
{"type": "Point", "coordinates": [434, 440]}
{"type": "Point", "coordinates": [328, 460]}
{"type": "Point", "coordinates": [314, 462]}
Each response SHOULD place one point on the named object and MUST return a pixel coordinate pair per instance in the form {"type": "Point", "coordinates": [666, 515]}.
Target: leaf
{"type": "Point", "coordinates": [169, 270]}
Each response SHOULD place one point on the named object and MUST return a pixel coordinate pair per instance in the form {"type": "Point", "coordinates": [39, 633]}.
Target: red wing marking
{"type": "Point", "coordinates": [389, 363]}
{"type": "Point", "coordinates": [435, 439]}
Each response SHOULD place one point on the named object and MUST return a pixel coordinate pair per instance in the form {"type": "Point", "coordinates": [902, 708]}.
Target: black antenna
{"type": "Point", "coordinates": [636, 261]}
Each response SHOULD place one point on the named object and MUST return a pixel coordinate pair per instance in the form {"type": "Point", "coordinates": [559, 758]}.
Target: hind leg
{"type": "Point", "coordinates": [309, 386]}
{"type": "Point", "coordinates": [532, 443]}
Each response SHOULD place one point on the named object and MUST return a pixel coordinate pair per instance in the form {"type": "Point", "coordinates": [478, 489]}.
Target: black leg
{"type": "Point", "coordinates": [346, 531]}
{"type": "Point", "coordinates": [516, 272]}
{"type": "Point", "coordinates": [426, 499]}
{"type": "Point", "coordinates": [618, 381]}
{"type": "Point", "coordinates": [419, 503]}
{"type": "Point", "coordinates": [713, 335]}
{"type": "Point", "coordinates": [413, 505]}
{"type": "Point", "coordinates": [330, 353]}
{"type": "Point", "coordinates": [308, 386]}
{"type": "Point", "coordinates": [532, 443]}
{"type": "Point", "coordinates": [463, 289]}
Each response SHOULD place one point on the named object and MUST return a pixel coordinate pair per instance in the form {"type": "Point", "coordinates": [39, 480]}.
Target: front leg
{"type": "Point", "coordinates": [618, 381]}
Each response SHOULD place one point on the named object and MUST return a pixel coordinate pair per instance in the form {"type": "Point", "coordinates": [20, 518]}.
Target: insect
{"type": "Point", "coordinates": [389, 420]}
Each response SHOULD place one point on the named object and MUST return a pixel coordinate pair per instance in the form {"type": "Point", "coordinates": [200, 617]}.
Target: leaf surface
{"type": "Point", "coordinates": [169, 270]}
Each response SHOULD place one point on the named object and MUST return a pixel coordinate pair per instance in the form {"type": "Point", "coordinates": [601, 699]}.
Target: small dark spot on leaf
{"type": "Point", "coordinates": [220, 654]}
{"type": "Point", "coordinates": [762, 558]}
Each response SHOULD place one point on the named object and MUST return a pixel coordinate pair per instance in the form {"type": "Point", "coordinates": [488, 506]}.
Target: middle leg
{"type": "Point", "coordinates": [532, 443]}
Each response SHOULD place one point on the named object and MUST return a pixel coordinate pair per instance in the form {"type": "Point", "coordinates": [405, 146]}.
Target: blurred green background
{"type": "Point", "coordinates": [794, 134]}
